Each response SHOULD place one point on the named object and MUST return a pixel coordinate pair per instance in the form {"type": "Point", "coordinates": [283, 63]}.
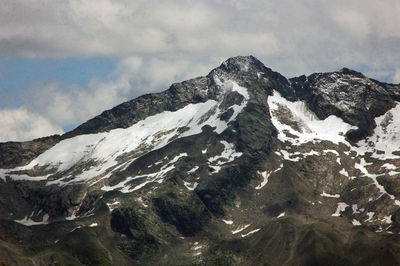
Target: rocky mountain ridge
{"type": "Point", "coordinates": [242, 166]}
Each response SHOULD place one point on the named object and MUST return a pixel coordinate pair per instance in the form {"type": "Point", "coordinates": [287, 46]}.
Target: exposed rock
{"type": "Point", "coordinates": [14, 154]}
{"type": "Point", "coordinates": [346, 94]}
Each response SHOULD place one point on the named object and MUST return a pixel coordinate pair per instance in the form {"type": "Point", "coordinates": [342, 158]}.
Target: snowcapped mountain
{"type": "Point", "coordinates": [240, 167]}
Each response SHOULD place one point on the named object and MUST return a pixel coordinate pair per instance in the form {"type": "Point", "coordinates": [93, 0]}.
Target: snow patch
{"type": "Point", "coordinates": [124, 187]}
{"type": "Point", "coordinates": [392, 173]}
{"type": "Point", "coordinates": [286, 156]}
{"type": "Point", "coordinates": [344, 172]}
{"type": "Point", "coordinates": [76, 228]}
{"type": "Point", "coordinates": [229, 154]}
{"type": "Point", "coordinates": [281, 215]}
{"type": "Point", "coordinates": [265, 176]}
{"type": "Point", "coordinates": [308, 127]}
{"type": "Point", "coordinates": [387, 219]}
{"type": "Point", "coordinates": [8, 173]}
{"type": "Point", "coordinates": [386, 137]}
{"type": "Point", "coordinates": [341, 207]}
{"type": "Point", "coordinates": [194, 169]}
{"type": "Point", "coordinates": [240, 229]}
{"type": "Point", "coordinates": [27, 220]}
{"type": "Point", "coordinates": [71, 217]}
{"type": "Point", "coordinates": [113, 205]}
{"type": "Point", "coordinates": [197, 247]}
{"type": "Point", "coordinates": [190, 186]}
{"type": "Point", "coordinates": [354, 207]}
{"type": "Point", "coordinates": [323, 194]}
{"type": "Point", "coordinates": [331, 151]}
{"type": "Point", "coordinates": [389, 166]}
{"type": "Point", "coordinates": [298, 155]}
{"type": "Point", "coordinates": [140, 200]}
{"type": "Point", "coordinates": [251, 232]}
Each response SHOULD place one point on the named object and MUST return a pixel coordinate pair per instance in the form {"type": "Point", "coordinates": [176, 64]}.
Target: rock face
{"type": "Point", "coordinates": [347, 94]}
{"type": "Point", "coordinates": [14, 154]}
{"type": "Point", "coordinates": [240, 167]}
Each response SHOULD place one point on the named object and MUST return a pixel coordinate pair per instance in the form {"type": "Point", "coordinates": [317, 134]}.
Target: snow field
{"type": "Point", "coordinates": [153, 132]}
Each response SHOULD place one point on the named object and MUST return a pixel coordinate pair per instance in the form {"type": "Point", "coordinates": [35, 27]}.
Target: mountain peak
{"type": "Point", "coordinates": [212, 167]}
{"type": "Point", "coordinates": [250, 72]}
{"type": "Point", "coordinates": [349, 71]}
{"type": "Point", "coordinates": [243, 65]}
{"type": "Point", "coordinates": [242, 62]}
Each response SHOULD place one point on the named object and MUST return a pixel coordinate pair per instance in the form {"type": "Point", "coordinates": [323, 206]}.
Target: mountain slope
{"type": "Point", "coordinates": [242, 166]}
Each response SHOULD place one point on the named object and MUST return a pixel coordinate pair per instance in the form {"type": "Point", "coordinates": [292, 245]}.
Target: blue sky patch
{"type": "Point", "coordinates": [19, 74]}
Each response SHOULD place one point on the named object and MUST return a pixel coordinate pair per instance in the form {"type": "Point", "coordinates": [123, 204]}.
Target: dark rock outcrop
{"type": "Point", "coordinates": [347, 94]}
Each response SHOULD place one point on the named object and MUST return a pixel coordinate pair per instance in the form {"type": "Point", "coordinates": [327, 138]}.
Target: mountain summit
{"type": "Point", "coordinates": [240, 167]}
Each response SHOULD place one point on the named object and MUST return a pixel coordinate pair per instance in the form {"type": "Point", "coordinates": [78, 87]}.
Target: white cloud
{"type": "Point", "coordinates": [132, 77]}
{"type": "Point", "coordinates": [20, 125]}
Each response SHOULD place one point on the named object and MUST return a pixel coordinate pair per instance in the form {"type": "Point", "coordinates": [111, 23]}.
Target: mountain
{"type": "Point", "coordinates": [240, 167]}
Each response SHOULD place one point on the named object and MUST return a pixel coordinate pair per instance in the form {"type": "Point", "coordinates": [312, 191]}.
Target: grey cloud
{"type": "Point", "coordinates": [298, 36]}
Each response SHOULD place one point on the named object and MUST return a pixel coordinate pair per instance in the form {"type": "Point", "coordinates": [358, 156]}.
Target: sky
{"type": "Point", "coordinates": [63, 62]}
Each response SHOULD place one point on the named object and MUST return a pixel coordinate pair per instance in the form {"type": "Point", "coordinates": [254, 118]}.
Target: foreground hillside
{"type": "Point", "coordinates": [240, 167]}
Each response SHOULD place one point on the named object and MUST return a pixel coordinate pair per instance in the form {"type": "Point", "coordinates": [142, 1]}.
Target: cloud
{"type": "Point", "coordinates": [124, 28]}
{"type": "Point", "coordinates": [68, 105]}
{"type": "Point", "coordinates": [298, 36]}
{"type": "Point", "coordinates": [20, 125]}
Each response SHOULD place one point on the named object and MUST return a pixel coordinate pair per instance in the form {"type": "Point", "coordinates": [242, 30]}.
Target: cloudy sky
{"type": "Point", "coordinates": [63, 62]}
